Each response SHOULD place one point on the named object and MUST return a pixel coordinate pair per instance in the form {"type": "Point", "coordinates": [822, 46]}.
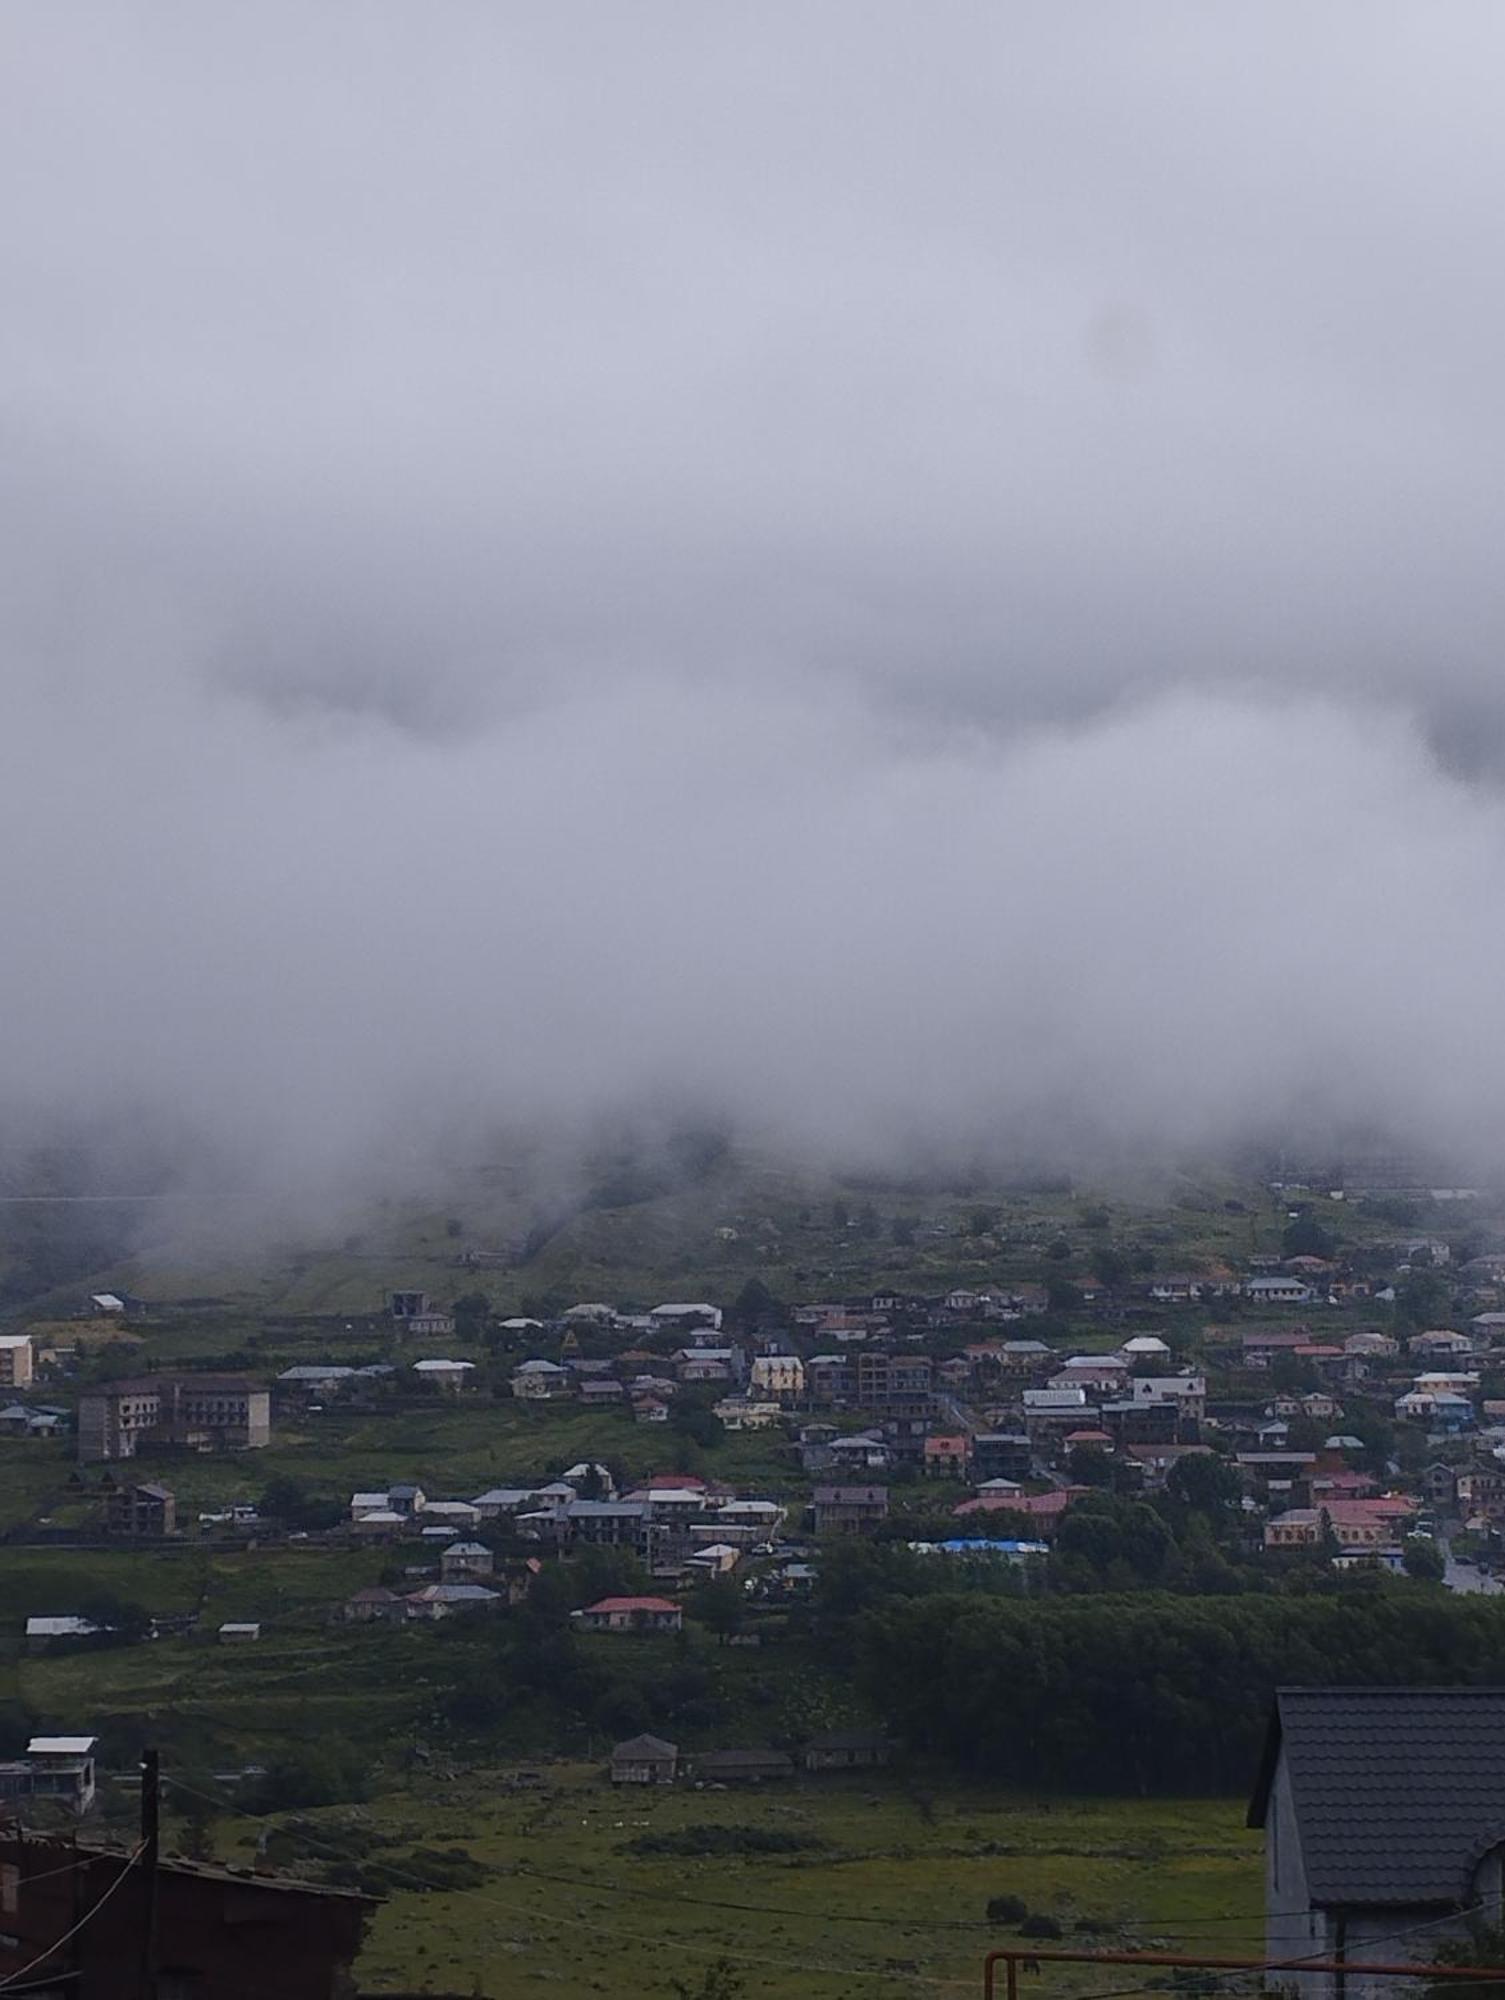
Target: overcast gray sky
{"type": "Point", "coordinates": [888, 565]}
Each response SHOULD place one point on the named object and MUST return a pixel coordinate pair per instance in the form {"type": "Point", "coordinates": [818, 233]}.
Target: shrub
{"type": "Point", "coordinates": [698, 1840]}
{"type": "Point", "coordinates": [1038, 1925]}
{"type": "Point", "coordinates": [1007, 1909]}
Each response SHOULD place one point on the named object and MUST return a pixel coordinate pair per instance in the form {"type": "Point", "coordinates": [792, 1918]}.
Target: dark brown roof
{"type": "Point", "coordinates": [743, 1760]}
{"type": "Point", "coordinates": [153, 1385]}
{"type": "Point", "coordinates": [174, 1864]}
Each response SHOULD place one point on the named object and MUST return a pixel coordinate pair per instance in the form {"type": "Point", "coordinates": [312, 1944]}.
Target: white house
{"type": "Point", "coordinates": [675, 1315]}
{"type": "Point", "coordinates": [537, 1381]}
{"type": "Point", "coordinates": [1145, 1350]}
{"type": "Point", "coordinates": [41, 1631]}
{"type": "Point", "coordinates": [1278, 1289]}
{"type": "Point", "coordinates": [1187, 1392]}
{"type": "Point", "coordinates": [449, 1377]}
{"type": "Point", "coordinates": [54, 1767]}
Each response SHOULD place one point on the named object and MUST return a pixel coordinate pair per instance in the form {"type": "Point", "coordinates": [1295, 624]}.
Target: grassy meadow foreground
{"type": "Point", "coordinates": [884, 1891]}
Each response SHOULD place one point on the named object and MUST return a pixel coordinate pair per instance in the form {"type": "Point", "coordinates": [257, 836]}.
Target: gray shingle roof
{"type": "Point", "coordinates": [1398, 1792]}
{"type": "Point", "coordinates": [645, 1747]}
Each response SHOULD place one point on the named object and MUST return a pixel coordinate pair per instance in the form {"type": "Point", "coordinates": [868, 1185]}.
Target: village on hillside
{"type": "Point", "coordinates": [647, 1551]}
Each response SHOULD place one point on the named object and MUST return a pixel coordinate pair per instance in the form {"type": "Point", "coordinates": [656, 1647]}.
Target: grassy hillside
{"type": "Point", "coordinates": [636, 1235]}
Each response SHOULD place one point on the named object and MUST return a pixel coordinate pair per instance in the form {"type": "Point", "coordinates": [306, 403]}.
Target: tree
{"type": "Point", "coordinates": [596, 1572]}
{"type": "Point", "coordinates": [1035, 1689]}
{"type": "Point", "coordinates": [756, 1302]}
{"type": "Point", "coordinates": [196, 1824]}
{"type": "Point", "coordinates": [1422, 1559]}
{"type": "Point", "coordinates": [1421, 1299]}
{"type": "Point", "coordinates": [719, 1605]}
{"type": "Point", "coordinates": [1110, 1266]}
{"type": "Point", "coordinates": [1058, 1249]}
{"type": "Point", "coordinates": [471, 1310]}
{"type": "Point", "coordinates": [1305, 1237]}
{"type": "Point", "coordinates": [1208, 1485]}
{"type": "Point", "coordinates": [1483, 1946]}
{"type": "Point", "coordinates": [1377, 1435]}
{"type": "Point", "coordinates": [1293, 1371]}
{"type": "Point", "coordinates": [1107, 1533]}
{"type": "Point", "coordinates": [1088, 1466]}
{"type": "Point", "coordinates": [327, 1774]}
{"type": "Point", "coordinates": [296, 1505]}
{"type": "Point", "coordinates": [698, 1423]}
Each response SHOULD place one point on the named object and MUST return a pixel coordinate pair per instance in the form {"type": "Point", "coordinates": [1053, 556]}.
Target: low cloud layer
{"type": "Point", "coordinates": [906, 580]}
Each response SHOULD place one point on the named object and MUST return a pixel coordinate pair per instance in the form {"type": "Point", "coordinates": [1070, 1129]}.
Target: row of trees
{"type": "Point", "coordinates": [1148, 1693]}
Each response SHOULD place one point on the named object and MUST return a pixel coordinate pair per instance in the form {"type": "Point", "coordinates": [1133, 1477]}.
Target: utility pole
{"type": "Point", "coordinates": [150, 1843]}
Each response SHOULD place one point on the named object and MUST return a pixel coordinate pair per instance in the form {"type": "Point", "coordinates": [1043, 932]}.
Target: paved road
{"type": "Point", "coordinates": [1465, 1577]}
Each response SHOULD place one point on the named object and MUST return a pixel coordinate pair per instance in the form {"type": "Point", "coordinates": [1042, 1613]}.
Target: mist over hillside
{"type": "Point", "coordinates": [912, 596]}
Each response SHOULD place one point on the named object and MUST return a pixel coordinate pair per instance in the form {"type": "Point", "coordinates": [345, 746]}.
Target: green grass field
{"type": "Point", "coordinates": [891, 1900]}
{"type": "Point", "coordinates": [204, 1703]}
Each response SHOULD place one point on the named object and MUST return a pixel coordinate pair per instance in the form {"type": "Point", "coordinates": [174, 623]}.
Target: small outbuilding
{"type": "Point", "coordinates": [743, 1767]}
{"type": "Point", "coordinates": [847, 1750]}
{"type": "Point", "coordinates": [645, 1760]}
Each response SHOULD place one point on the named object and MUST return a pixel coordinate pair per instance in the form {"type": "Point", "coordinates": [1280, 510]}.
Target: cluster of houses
{"type": "Point", "coordinates": [888, 1387]}
{"type": "Point", "coordinates": [680, 1527]}
{"type": "Point", "coordinates": [470, 1579]}
{"type": "Point", "coordinates": [309, 1384]}
{"type": "Point", "coordinates": [1007, 1415]}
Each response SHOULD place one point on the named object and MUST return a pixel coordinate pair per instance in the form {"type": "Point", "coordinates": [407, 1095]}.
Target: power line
{"type": "Point", "coordinates": [58, 1943]}
{"type": "Point", "coordinates": [526, 1871]}
{"type": "Point", "coordinates": [1391, 1937]}
{"type": "Point", "coordinates": [640, 1892]}
{"type": "Point", "coordinates": [644, 1893]}
{"type": "Point", "coordinates": [713, 1951]}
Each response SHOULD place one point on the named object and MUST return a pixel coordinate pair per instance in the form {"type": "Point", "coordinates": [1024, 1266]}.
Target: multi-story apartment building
{"type": "Point", "coordinates": [199, 1412]}
{"type": "Point", "coordinates": [849, 1510]}
{"type": "Point", "coordinates": [16, 1361]}
{"type": "Point", "coordinates": [780, 1377]}
{"type": "Point", "coordinates": [895, 1382]}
